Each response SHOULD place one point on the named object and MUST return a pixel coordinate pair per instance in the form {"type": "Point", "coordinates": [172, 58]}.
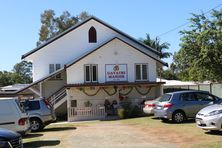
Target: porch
{"type": "Point", "coordinates": [99, 102]}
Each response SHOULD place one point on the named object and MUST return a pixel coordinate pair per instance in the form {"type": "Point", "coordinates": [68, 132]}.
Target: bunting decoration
{"type": "Point", "coordinates": [143, 93]}
{"type": "Point", "coordinates": [124, 94]}
{"type": "Point", "coordinates": [110, 94]}
{"type": "Point", "coordinates": [96, 92]}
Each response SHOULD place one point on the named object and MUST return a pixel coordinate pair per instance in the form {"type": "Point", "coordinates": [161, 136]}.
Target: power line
{"type": "Point", "coordinates": [171, 30]}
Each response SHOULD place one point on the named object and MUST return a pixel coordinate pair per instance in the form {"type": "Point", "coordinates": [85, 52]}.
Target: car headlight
{"type": "Point", "coordinates": [215, 112]}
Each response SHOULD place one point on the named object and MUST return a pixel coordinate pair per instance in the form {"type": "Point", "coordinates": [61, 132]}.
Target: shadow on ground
{"type": "Point", "coordinates": [189, 121]}
{"type": "Point", "coordinates": [41, 143]}
{"type": "Point", "coordinates": [216, 133]}
{"type": "Point", "coordinates": [55, 129]}
{"type": "Point", "coordinates": [32, 135]}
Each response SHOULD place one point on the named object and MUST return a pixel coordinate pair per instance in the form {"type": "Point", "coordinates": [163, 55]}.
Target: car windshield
{"type": "Point", "coordinates": [165, 98]}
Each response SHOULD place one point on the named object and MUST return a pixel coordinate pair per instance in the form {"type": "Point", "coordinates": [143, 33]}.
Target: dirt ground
{"type": "Point", "coordinates": [109, 134]}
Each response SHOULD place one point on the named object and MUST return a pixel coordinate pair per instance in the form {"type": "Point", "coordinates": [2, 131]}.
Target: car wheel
{"type": "Point", "coordinates": [36, 124]}
{"type": "Point", "coordinates": [178, 117]}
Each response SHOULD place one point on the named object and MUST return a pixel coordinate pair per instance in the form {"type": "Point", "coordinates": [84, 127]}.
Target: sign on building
{"type": "Point", "coordinates": [116, 72]}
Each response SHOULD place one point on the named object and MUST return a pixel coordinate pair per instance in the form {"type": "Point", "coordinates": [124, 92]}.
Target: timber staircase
{"type": "Point", "coordinates": [58, 98]}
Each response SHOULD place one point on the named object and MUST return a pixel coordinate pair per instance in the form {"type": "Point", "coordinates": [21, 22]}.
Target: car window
{"type": "Point", "coordinates": [204, 97]}
{"type": "Point", "coordinates": [165, 97]}
{"type": "Point", "coordinates": [20, 106]}
{"type": "Point", "coordinates": [187, 97]}
{"type": "Point", "coordinates": [33, 105]}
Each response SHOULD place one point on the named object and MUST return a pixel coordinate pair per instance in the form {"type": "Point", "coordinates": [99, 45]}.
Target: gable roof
{"type": "Point", "coordinates": [80, 24]}
{"type": "Point", "coordinates": [103, 44]}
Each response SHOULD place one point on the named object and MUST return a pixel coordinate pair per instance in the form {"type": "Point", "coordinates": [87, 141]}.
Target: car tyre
{"type": "Point", "coordinates": [36, 124]}
{"type": "Point", "coordinates": [178, 117]}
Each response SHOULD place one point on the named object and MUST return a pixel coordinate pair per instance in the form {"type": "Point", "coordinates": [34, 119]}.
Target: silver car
{"type": "Point", "coordinates": [182, 105]}
{"type": "Point", "coordinates": [210, 118]}
{"type": "Point", "coordinates": [40, 113]}
{"type": "Point", "coordinates": [149, 106]}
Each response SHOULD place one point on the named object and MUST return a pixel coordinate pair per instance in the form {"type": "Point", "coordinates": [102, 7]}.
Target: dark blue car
{"type": "Point", "coordinates": [10, 139]}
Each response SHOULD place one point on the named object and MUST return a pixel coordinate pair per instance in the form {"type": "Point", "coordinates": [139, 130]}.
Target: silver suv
{"type": "Point", "coordinates": [40, 113]}
{"type": "Point", "coordinates": [181, 105]}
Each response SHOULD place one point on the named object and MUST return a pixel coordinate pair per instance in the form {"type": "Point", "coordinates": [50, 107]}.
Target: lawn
{"type": "Point", "coordinates": [149, 128]}
{"type": "Point", "coordinates": [188, 129]}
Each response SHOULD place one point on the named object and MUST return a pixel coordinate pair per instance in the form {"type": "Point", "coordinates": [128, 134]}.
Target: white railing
{"type": "Point", "coordinates": [84, 113]}
{"type": "Point", "coordinates": [56, 97]}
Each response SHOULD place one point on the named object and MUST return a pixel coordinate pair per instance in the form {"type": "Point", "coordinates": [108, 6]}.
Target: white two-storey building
{"type": "Point", "coordinates": [90, 63]}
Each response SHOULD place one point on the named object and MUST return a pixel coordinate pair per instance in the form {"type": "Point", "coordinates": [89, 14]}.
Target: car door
{"type": "Point", "coordinates": [8, 115]}
{"type": "Point", "coordinates": [204, 99]}
{"type": "Point", "coordinates": [189, 104]}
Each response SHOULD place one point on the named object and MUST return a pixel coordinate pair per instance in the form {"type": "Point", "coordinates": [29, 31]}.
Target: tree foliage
{"type": "Point", "coordinates": [170, 73]}
{"type": "Point", "coordinates": [21, 74]}
{"type": "Point", "coordinates": [156, 44]}
{"type": "Point", "coordinates": [53, 25]}
{"type": "Point", "coordinates": [24, 71]}
{"type": "Point", "coordinates": [200, 55]}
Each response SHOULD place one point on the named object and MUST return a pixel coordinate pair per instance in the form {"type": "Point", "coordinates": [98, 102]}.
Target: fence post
{"type": "Point", "coordinates": [211, 88]}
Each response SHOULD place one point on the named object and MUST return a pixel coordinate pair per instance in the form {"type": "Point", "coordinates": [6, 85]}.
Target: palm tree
{"type": "Point", "coordinates": [155, 44]}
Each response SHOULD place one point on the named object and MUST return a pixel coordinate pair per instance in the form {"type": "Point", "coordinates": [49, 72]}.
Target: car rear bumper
{"type": "Point", "coordinates": [161, 113]}
{"type": "Point", "coordinates": [209, 123]}
{"type": "Point", "coordinates": [148, 111]}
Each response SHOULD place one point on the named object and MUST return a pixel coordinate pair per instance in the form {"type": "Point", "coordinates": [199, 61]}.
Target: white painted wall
{"type": "Point", "coordinates": [115, 52]}
{"type": "Point", "coordinates": [71, 46]}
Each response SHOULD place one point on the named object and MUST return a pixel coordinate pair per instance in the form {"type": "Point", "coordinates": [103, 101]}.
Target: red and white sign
{"type": "Point", "coordinates": [116, 72]}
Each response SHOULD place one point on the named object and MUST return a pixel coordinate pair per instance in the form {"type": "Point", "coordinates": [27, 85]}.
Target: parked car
{"type": "Point", "coordinates": [149, 106]}
{"type": "Point", "coordinates": [40, 112]}
{"type": "Point", "coordinates": [13, 117]}
{"type": "Point", "coordinates": [210, 117]}
{"type": "Point", "coordinates": [10, 139]}
{"type": "Point", "coordinates": [182, 105]}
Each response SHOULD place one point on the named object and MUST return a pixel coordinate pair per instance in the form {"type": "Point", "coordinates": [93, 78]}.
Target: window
{"type": "Point", "coordinates": [73, 103]}
{"type": "Point", "coordinates": [187, 97]}
{"type": "Point", "coordinates": [33, 105]}
{"type": "Point", "coordinates": [204, 97]}
{"type": "Point", "coordinates": [92, 35]}
{"type": "Point", "coordinates": [91, 73]}
{"type": "Point", "coordinates": [53, 68]}
{"type": "Point", "coordinates": [165, 98]}
{"type": "Point", "coordinates": [141, 72]}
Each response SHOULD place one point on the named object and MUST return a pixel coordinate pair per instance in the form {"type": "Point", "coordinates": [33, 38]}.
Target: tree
{"type": "Point", "coordinates": [52, 25]}
{"type": "Point", "coordinates": [200, 54]}
{"type": "Point", "coordinates": [170, 73]}
{"type": "Point", "coordinates": [21, 74]}
{"type": "Point", "coordinates": [23, 70]}
{"type": "Point", "coordinates": [155, 44]}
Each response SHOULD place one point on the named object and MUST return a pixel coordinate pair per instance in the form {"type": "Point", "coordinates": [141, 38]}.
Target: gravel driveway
{"type": "Point", "coordinates": [93, 135]}
{"type": "Point", "coordinates": [136, 133]}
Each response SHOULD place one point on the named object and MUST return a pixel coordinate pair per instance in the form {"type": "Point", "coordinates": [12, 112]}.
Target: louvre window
{"type": "Point", "coordinates": [53, 68]}
{"type": "Point", "coordinates": [91, 73]}
{"type": "Point", "coordinates": [141, 72]}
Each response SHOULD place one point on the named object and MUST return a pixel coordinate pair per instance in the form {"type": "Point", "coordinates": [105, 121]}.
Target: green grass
{"type": "Point", "coordinates": [210, 140]}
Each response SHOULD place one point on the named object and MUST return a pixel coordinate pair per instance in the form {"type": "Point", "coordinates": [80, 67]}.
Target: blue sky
{"type": "Point", "coordinates": [20, 20]}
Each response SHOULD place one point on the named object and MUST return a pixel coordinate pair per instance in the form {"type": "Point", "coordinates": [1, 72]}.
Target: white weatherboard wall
{"type": "Point", "coordinates": [115, 52]}
{"type": "Point", "coordinates": [69, 47]}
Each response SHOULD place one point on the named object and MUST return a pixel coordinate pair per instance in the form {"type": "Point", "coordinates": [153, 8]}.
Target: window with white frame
{"type": "Point", "coordinates": [91, 72]}
{"type": "Point", "coordinates": [141, 72]}
{"type": "Point", "coordinates": [53, 68]}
